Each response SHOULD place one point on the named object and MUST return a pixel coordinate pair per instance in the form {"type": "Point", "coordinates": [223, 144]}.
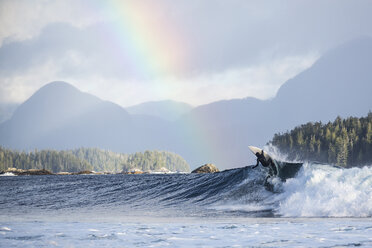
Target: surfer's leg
{"type": "Point", "coordinates": [267, 177]}
{"type": "Point", "coordinates": [273, 171]}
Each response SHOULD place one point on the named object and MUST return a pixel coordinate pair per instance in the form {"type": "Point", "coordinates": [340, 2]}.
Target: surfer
{"type": "Point", "coordinates": [266, 163]}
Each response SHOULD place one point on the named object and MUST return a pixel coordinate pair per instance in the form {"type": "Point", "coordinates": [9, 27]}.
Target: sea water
{"type": "Point", "coordinates": [322, 206]}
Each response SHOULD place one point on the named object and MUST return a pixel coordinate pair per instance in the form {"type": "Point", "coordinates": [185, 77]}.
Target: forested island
{"type": "Point", "coordinates": [344, 142]}
{"type": "Point", "coordinates": [92, 159]}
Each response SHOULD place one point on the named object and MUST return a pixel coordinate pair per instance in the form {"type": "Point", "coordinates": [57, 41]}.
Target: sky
{"type": "Point", "coordinates": [192, 51]}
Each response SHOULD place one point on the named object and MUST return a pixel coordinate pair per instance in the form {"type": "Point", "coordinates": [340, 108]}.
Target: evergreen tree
{"type": "Point", "coordinates": [91, 159]}
{"type": "Point", "coordinates": [346, 142]}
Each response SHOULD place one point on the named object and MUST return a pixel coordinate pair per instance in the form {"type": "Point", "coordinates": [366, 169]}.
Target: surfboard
{"type": "Point", "coordinates": [259, 150]}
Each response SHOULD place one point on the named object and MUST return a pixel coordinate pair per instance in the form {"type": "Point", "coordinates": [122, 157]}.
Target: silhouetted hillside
{"type": "Point", "coordinates": [59, 116]}
{"type": "Point", "coordinates": [339, 83]}
{"type": "Point", "coordinates": [6, 111]}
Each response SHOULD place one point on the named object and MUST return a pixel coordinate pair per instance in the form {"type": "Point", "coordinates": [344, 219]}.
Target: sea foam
{"type": "Point", "coordinates": [7, 174]}
{"type": "Point", "coordinates": [326, 191]}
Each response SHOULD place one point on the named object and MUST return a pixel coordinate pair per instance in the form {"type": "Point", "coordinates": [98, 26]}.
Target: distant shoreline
{"type": "Point", "coordinates": [42, 172]}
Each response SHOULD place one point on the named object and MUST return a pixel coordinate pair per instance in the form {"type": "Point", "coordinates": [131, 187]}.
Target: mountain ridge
{"type": "Point", "coordinates": [343, 82]}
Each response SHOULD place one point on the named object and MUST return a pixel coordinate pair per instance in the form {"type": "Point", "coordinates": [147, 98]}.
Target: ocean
{"type": "Point", "coordinates": [323, 206]}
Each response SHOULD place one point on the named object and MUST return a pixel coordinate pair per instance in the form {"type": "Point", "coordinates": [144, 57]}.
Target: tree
{"type": "Point", "coordinates": [346, 142]}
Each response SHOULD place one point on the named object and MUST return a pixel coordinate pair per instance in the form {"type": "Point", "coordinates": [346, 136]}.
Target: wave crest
{"type": "Point", "coordinates": [326, 191]}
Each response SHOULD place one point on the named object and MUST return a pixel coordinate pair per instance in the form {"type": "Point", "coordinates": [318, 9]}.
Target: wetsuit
{"type": "Point", "coordinates": [266, 163]}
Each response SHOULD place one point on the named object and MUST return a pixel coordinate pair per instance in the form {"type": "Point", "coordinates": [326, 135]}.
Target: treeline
{"type": "Point", "coordinates": [103, 160]}
{"type": "Point", "coordinates": [345, 142]}
{"type": "Point", "coordinates": [91, 159]}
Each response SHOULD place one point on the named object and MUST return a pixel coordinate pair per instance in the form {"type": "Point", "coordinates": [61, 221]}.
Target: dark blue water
{"type": "Point", "coordinates": [158, 194]}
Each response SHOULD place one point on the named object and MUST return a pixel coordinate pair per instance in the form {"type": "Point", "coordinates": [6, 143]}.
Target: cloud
{"type": "Point", "coordinates": [17, 88]}
{"type": "Point", "coordinates": [261, 81]}
{"type": "Point", "coordinates": [22, 19]}
{"type": "Point", "coordinates": [215, 34]}
{"type": "Point", "coordinates": [53, 43]}
{"type": "Point", "coordinates": [227, 49]}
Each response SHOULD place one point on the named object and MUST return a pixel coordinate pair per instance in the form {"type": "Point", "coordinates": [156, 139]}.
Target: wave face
{"type": "Point", "coordinates": [316, 191]}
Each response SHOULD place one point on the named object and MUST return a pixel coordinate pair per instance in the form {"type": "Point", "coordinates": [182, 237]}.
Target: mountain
{"type": "Point", "coordinates": [59, 116]}
{"type": "Point", "coordinates": [339, 83]}
{"type": "Point", "coordinates": [167, 110]}
{"type": "Point", "coordinates": [6, 111]}
{"type": "Point", "coordinates": [224, 129]}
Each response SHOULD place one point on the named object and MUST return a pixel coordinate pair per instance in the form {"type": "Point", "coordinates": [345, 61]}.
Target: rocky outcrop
{"type": "Point", "coordinates": [30, 172]}
{"type": "Point", "coordinates": [64, 173]}
{"type": "Point", "coordinates": [86, 172]}
{"type": "Point", "coordinates": [134, 171]}
{"type": "Point", "coordinates": [162, 170]}
{"type": "Point", "coordinates": [207, 168]}
{"type": "Point", "coordinates": [37, 172]}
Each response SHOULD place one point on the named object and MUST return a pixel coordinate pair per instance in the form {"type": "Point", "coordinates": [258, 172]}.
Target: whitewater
{"type": "Point", "coordinates": [322, 206]}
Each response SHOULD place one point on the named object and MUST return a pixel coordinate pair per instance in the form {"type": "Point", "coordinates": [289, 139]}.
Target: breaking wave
{"type": "Point", "coordinates": [316, 191]}
{"type": "Point", "coordinates": [326, 191]}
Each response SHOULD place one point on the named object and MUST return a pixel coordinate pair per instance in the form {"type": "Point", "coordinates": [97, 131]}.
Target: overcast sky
{"type": "Point", "coordinates": [197, 51]}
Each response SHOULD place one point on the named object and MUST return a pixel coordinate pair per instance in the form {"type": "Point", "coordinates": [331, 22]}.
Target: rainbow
{"type": "Point", "coordinates": [142, 37]}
